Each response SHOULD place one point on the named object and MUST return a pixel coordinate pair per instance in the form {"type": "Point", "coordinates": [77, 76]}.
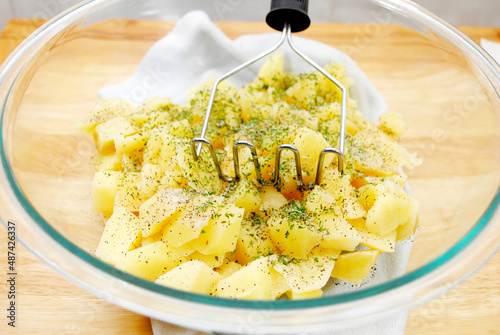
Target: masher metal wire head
{"type": "Point", "coordinates": [288, 16]}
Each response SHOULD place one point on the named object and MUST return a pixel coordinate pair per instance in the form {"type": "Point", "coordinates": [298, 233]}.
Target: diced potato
{"type": "Point", "coordinates": [387, 213]}
{"type": "Point", "coordinates": [304, 295]}
{"type": "Point", "coordinates": [121, 234]}
{"type": "Point", "coordinates": [355, 266]}
{"type": "Point", "coordinates": [279, 284]}
{"type": "Point", "coordinates": [376, 155]}
{"type": "Point", "coordinates": [293, 231]}
{"type": "Point", "coordinates": [130, 143]}
{"type": "Point", "coordinates": [339, 186]}
{"type": "Point", "coordinates": [253, 281]}
{"type": "Point", "coordinates": [227, 268]}
{"type": "Point", "coordinates": [194, 276]}
{"type": "Point", "coordinates": [157, 237]}
{"type": "Point", "coordinates": [253, 242]}
{"type": "Point", "coordinates": [319, 201]}
{"type": "Point", "coordinates": [105, 187]}
{"type": "Point", "coordinates": [384, 243]}
{"type": "Point", "coordinates": [221, 233]}
{"type": "Point", "coordinates": [107, 131]}
{"type": "Point", "coordinates": [107, 162]}
{"type": "Point", "coordinates": [337, 232]}
{"type": "Point", "coordinates": [151, 261]}
{"type": "Point", "coordinates": [271, 199]}
{"type": "Point", "coordinates": [326, 252]}
{"type": "Point", "coordinates": [246, 195]}
{"type": "Point", "coordinates": [271, 72]}
{"type": "Point", "coordinates": [105, 110]}
{"type": "Point", "coordinates": [159, 210]}
{"type": "Point", "coordinates": [212, 261]}
{"type": "Point", "coordinates": [392, 124]}
{"type": "Point", "coordinates": [200, 174]}
{"type": "Point", "coordinates": [310, 144]}
{"type": "Point", "coordinates": [407, 229]}
{"type": "Point", "coordinates": [304, 275]}
{"type": "Point", "coordinates": [192, 219]}
{"type": "Point", "coordinates": [150, 178]}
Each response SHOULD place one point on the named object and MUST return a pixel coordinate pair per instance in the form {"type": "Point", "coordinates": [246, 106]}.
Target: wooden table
{"type": "Point", "coordinates": [50, 304]}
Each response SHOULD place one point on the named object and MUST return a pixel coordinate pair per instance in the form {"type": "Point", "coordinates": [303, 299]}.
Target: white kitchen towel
{"type": "Point", "coordinates": [493, 48]}
{"type": "Point", "coordinates": [195, 51]}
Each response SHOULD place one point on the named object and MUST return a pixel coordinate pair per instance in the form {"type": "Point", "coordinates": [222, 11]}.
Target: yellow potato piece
{"type": "Point", "coordinates": [253, 242]}
{"type": "Point", "coordinates": [106, 132]}
{"type": "Point", "coordinates": [355, 266]}
{"type": "Point", "coordinates": [159, 210]}
{"type": "Point", "coordinates": [293, 236]}
{"type": "Point", "coordinates": [193, 276]}
{"type": "Point", "coordinates": [246, 195]}
{"type": "Point", "coordinates": [151, 261]}
{"type": "Point", "coordinates": [221, 233]}
{"type": "Point", "coordinates": [304, 275]}
{"type": "Point", "coordinates": [387, 213]}
{"type": "Point", "coordinates": [337, 233]}
{"type": "Point", "coordinates": [304, 295]}
{"type": "Point", "coordinates": [121, 234]}
{"type": "Point", "coordinates": [192, 219]}
{"type": "Point", "coordinates": [253, 281]}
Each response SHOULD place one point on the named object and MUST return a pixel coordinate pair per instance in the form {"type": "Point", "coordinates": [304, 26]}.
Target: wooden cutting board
{"type": "Point", "coordinates": [47, 303]}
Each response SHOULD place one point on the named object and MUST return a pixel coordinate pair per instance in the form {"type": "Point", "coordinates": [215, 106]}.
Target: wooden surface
{"type": "Point", "coordinates": [49, 304]}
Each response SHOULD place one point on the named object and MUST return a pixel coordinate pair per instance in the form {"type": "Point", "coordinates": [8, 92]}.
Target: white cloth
{"type": "Point", "coordinates": [493, 48]}
{"type": "Point", "coordinates": [196, 50]}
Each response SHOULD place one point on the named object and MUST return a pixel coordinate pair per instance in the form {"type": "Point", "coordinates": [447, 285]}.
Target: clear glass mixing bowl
{"type": "Point", "coordinates": [444, 85]}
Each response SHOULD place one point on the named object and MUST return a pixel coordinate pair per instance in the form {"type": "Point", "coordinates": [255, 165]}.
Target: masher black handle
{"type": "Point", "coordinates": [293, 12]}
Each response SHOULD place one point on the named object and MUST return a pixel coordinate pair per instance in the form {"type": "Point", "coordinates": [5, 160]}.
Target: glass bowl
{"type": "Point", "coordinates": [444, 85]}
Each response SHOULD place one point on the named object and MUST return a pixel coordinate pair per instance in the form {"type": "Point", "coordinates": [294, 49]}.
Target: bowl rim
{"type": "Point", "coordinates": [411, 280]}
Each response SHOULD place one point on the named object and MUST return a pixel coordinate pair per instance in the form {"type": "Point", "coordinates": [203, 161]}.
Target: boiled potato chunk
{"type": "Point", "coordinates": [221, 233]}
{"type": "Point", "coordinates": [408, 229]}
{"type": "Point", "coordinates": [106, 132]}
{"type": "Point", "coordinates": [304, 295]}
{"type": "Point", "coordinates": [293, 231]}
{"type": "Point", "coordinates": [192, 219]}
{"type": "Point", "coordinates": [392, 124]}
{"type": "Point", "coordinates": [200, 174]}
{"type": "Point", "coordinates": [340, 188]}
{"type": "Point", "coordinates": [387, 213]}
{"type": "Point", "coordinates": [253, 281]}
{"type": "Point", "coordinates": [319, 201]}
{"type": "Point", "coordinates": [106, 185]}
{"type": "Point", "coordinates": [304, 275]}
{"type": "Point", "coordinates": [271, 72]}
{"type": "Point", "coordinates": [121, 234]}
{"type": "Point", "coordinates": [246, 195]}
{"type": "Point", "coordinates": [227, 268]}
{"type": "Point", "coordinates": [159, 210]}
{"type": "Point", "coordinates": [279, 284]}
{"type": "Point", "coordinates": [151, 261]}
{"type": "Point", "coordinates": [271, 199]}
{"type": "Point", "coordinates": [337, 232]}
{"type": "Point", "coordinates": [252, 242]}
{"type": "Point", "coordinates": [105, 110]}
{"type": "Point", "coordinates": [194, 276]}
{"type": "Point", "coordinates": [355, 266]}
{"type": "Point", "coordinates": [212, 261]}
{"type": "Point", "coordinates": [310, 144]}
{"type": "Point", "coordinates": [375, 154]}
{"type": "Point", "coordinates": [384, 243]}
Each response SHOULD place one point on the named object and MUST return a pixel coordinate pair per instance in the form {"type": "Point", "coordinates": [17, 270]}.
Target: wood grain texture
{"type": "Point", "coordinates": [50, 304]}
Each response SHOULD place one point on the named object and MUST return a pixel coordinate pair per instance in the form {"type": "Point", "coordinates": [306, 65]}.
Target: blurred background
{"type": "Point", "coordinates": [457, 12]}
